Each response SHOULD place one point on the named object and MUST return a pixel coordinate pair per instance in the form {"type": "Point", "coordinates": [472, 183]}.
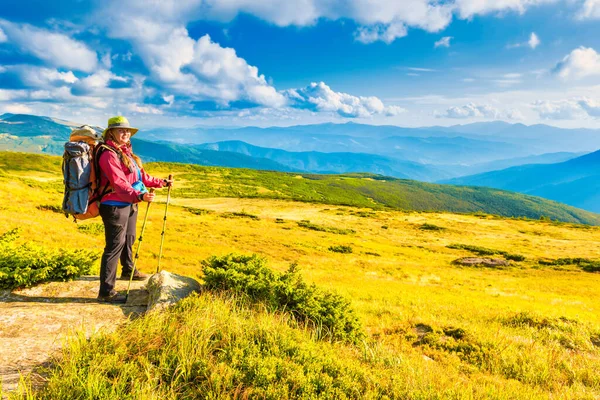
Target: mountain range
{"type": "Point", "coordinates": [461, 155]}
{"type": "Point", "coordinates": [575, 182]}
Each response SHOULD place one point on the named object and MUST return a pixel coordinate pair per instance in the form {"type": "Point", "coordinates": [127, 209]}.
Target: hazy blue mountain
{"type": "Point", "coordinates": [333, 162]}
{"type": "Point", "coordinates": [429, 150]}
{"type": "Point", "coordinates": [32, 125]}
{"type": "Point", "coordinates": [33, 134]}
{"type": "Point", "coordinates": [575, 182]}
{"type": "Point", "coordinates": [460, 145]}
{"type": "Point", "coordinates": [549, 158]}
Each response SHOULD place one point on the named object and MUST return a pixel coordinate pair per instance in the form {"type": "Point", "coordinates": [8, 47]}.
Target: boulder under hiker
{"type": "Point", "coordinates": [123, 171]}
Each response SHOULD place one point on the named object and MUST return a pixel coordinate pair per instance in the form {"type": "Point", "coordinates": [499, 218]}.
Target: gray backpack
{"type": "Point", "coordinates": [80, 173]}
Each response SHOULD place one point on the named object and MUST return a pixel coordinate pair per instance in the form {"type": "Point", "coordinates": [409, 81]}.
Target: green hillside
{"type": "Point", "coordinates": [361, 190]}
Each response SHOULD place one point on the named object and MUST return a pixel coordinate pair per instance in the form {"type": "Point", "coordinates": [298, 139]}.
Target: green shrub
{"type": "Point", "coordinates": [241, 214]}
{"type": "Point", "coordinates": [93, 228]}
{"type": "Point", "coordinates": [482, 251]}
{"type": "Point", "coordinates": [328, 312]}
{"type": "Point", "coordinates": [51, 207]}
{"type": "Point", "coordinates": [23, 265]}
{"type": "Point", "coordinates": [308, 225]}
{"type": "Point", "coordinates": [341, 249]}
{"type": "Point", "coordinates": [585, 264]}
{"type": "Point", "coordinates": [431, 227]}
{"type": "Point", "coordinates": [198, 211]}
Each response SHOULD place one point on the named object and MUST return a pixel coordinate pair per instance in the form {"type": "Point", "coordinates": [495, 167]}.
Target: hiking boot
{"type": "Point", "coordinates": [137, 276]}
{"type": "Point", "coordinates": [113, 297]}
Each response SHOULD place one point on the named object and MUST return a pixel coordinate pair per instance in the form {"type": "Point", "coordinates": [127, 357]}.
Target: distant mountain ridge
{"type": "Point", "coordinates": [575, 182]}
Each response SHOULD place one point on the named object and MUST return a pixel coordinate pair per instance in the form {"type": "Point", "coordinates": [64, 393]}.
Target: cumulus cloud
{"type": "Point", "coordinates": [591, 107]}
{"type": "Point", "coordinates": [534, 41]}
{"type": "Point", "coordinates": [471, 110]}
{"type": "Point", "coordinates": [199, 69]}
{"type": "Point", "coordinates": [555, 110]}
{"type": "Point", "coordinates": [40, 77]}
{"type": "Point", "coordinates": [320, 97]}
{"type": "Point", "coordinates": [17, 109]}
{"type": "Point", "coordinates": [378, 20]}
{"type": "Point", "coordinates": [380, 32]}
{"type": "Point", "coordinates": [443, 42]}
{"type": "Point", "coordinates": [57, 49]}
{"type": "Point", "coordinates": [590, 10]}
{"type": "Point", "coordinates": [580, 63]}
{"type": "Point", "coordinates": [469, 8]}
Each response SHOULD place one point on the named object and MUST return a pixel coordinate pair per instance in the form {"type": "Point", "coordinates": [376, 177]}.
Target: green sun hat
{"type": "Point", "coordinates": [119, 122]}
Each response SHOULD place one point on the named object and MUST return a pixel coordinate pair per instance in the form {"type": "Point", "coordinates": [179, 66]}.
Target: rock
{"type": "Point", "coordinates": [165, 289]}
{"type": "Point", "coordinates": [483, 262]}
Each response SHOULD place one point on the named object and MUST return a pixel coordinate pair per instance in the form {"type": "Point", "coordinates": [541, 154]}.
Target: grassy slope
{"type": "Point", "coordinates": [530, 330]}
{"type": "Point", "coordinates": [362, 190]}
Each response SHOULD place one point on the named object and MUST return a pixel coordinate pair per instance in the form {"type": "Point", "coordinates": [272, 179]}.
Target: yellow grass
{"type": "Point", "coordinates": [406, 280]}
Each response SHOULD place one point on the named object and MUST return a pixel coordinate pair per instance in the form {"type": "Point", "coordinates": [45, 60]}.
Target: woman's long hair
{"type": "Point", "coordinates": [110, 135]}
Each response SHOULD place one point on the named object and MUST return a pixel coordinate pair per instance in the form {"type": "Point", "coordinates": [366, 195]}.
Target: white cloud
{"type": "Point", "coordinates": [55, 48]}
{"type": "Point", "coordinates": [534, 41]}
{"type": "Point", "coordinates": [380, 32]}
{"type": "Point", "coordinates": [471, 110]}
{"type": "Point", "coordinates": [443, 42]}
{"type": "Point", "coordinates": [421, 69]}
{"type": "Point", "coordinates": [199, 69]}
{"type": "Point", "coordinates": [3, 37]}
{"type": "Point", "coordinates": [580, 63]}
{"type": "Point", "coordinates": [562, 109]}
{"type": "Point", "coordinates": [44, 77]}
{"type": "Point", "coordinates": [136, 108]}
{"type": "Point", "coordinates": [469, 8]}
{"type": "Point", "coordinates": [591, 107]}
{"type": "Point", "coordinates": [378, 19]}
{"type": "Point", "coordinates": [320, 97]}
{"type": "Point", "coordinates": [17, 109]}
{"type": "Point", "coordinates": [590, 10]}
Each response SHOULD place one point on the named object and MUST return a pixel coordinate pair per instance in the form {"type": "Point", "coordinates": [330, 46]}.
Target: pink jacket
{"type": "Point", "coordinates": [120, 178]}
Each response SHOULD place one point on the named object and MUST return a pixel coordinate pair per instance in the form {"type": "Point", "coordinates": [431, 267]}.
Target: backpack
{"type": "Point", "coordinates": [81, 176]}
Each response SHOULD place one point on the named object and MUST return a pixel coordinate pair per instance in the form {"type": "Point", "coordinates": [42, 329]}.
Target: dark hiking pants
{"type": "Point", "coordinates": [119, 232]}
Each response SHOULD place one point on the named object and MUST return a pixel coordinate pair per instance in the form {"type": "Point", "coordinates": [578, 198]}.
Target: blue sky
{"type": "Point", "coordinates": [273, 62]}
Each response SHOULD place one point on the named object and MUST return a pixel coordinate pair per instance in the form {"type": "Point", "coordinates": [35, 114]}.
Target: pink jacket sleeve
{"type": "Point", "coordinates": [151, 181]}
{"type": "Point", "coordinates": [110, 164]}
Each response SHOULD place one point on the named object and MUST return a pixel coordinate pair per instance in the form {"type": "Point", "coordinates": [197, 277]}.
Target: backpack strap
{"type": "Point", "coordinates": [98, 150]}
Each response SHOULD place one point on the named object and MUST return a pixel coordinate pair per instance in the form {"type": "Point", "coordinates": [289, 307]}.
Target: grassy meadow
{"type": "Point", "coordinates": [433, 329]}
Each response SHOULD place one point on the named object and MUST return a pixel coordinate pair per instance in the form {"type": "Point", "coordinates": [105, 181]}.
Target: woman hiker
{"type": "Point", "coordinates": [123, 171]}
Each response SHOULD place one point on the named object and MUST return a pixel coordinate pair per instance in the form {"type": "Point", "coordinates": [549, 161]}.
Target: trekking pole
{"type": "Point", "coordinates": [137, 252]}
{"type": "Point", "coordinates": [162, 235]}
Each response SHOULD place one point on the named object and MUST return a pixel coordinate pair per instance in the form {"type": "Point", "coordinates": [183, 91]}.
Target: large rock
{"type": "Point", "coordinates": [166, 288]}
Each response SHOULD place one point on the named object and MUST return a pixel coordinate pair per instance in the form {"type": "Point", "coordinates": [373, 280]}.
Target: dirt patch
{"type": "Point", "coordinates": [35, 322]}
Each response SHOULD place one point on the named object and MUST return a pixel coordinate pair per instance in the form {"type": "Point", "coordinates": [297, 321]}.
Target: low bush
{"type": "Point", "coordinates": [341, 249]}
{"type": "Point", "coordinates": [51, 207]}
{"type": "Point", "coordinates": [198, 211]}
{"type": "Point", "coordinates": [585, 264]}
{"type": "Point", "coordinates": [431, 227]}
{"type": "Point", "coordinates": [482, 251]}
{"type": "Point", "coordinates": [329, 313]}
{"type": "Point", "coordinates": [308, 225]}
{"type": "Point", "coordinates": [94, 228]}
{"type": "Point", "coordinates": [241, 214]}
{"type": "Point", "coordinates": [26, 264]}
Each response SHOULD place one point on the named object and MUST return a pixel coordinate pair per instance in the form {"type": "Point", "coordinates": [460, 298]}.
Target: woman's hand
{"type": "Point", "coordinates": [149, 197]}
{"type": "Point", "coordinates": [169, 181]}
